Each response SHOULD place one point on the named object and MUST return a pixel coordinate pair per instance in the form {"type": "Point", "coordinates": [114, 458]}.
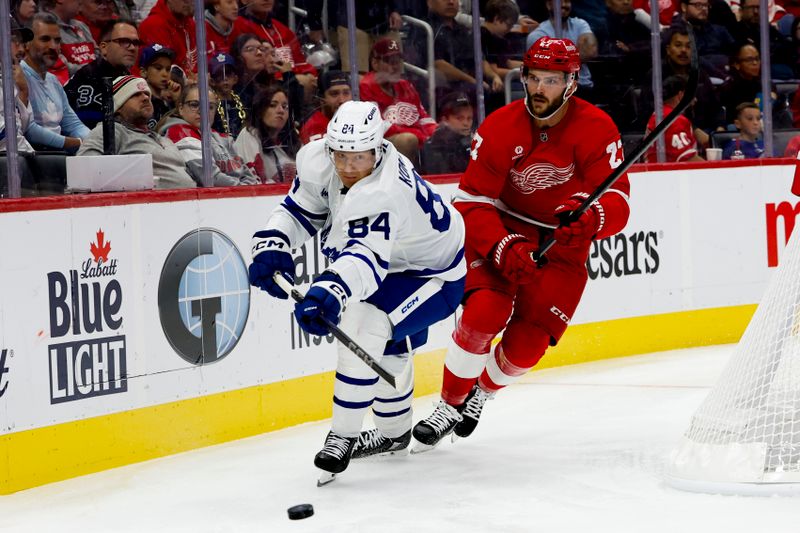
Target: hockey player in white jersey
{"type": "Point", "coordinates": [397, 267]}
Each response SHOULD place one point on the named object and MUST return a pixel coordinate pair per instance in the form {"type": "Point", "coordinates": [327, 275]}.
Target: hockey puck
{"type": "Point", "coordinates": [298, 512]}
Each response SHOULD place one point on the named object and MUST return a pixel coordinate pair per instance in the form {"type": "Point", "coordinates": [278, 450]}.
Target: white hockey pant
{"type": "Point", "coordinates": [357, 387]}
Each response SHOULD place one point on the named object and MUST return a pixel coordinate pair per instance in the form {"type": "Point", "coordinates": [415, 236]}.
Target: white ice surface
{"type": "Point", "coordinates": [581, 449]}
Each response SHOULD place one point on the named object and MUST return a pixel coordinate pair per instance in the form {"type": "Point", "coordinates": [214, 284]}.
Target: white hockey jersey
{"type": "Point", "coordinates": [389, 222]}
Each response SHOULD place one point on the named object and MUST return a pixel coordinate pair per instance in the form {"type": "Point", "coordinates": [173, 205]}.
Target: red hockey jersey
{"type": "Point", "coordinates": [522, 170]}
{"type": "Point", "coordinates": [162, 27]}
{"type": "Point", "coordinates": [314, 128]}
{"type": "Point", "coordinates": [404, 111]}
{"type": "Point", "coordinates": [679, 140]}
{"type": "Point", "coordinates": [283, 39]}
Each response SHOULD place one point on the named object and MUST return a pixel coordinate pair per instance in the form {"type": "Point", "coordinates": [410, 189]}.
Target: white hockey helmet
{"type": "Point", "coordinates": [356, 127]}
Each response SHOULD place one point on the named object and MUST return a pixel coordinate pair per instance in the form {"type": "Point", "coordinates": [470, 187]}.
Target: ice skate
{"type": "Point", "coordinates": [334, 456]}
{"type": "Point", "coordinates": [437, 426]}
{"type": "Point", "coordinates": [471, 412]}
{"type": "Point", "coordinates": [373, 442]}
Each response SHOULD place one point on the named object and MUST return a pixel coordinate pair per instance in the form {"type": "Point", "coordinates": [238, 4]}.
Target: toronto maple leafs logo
{"type": "Point", "coordinates": [540, 176]}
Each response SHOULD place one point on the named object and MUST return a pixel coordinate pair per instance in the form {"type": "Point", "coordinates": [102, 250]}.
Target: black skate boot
{"type": "Point", "coordinates": [437, 426]}
{"type": "Point", "coordinates": [335, 454]}
{"type": "Point", "coordinates": [471, 411]}
{"type": "Point", "coordinates": [373, 442]}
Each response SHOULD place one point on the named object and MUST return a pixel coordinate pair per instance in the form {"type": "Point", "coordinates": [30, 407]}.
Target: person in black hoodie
{"type": "Point", "coordinates": [447, 150]}
{"type": "Point", "coordinates": [119, 49]}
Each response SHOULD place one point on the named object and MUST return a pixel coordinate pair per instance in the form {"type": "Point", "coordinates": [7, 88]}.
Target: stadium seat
{"type": "Point", "coordinates": [720, 138]}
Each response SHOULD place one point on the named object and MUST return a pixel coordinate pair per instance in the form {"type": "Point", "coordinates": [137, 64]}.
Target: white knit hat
{"type": "Point", "coordinates": [126, 86]}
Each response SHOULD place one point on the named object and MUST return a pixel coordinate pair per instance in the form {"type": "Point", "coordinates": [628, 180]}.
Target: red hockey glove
{"type": "Point", "coordinates": [582, 231]}
{"type": "Point", "coordinates": [512, 257]}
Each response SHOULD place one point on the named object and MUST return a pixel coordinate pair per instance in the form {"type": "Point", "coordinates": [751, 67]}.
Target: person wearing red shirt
{"type": "Point", "coordinates": [334, 90]}
{"type": "Point", "coordinates": [223, 26]}
{"type": "Point", "coordinates": [532, 162]}
{"type": "Point", "coordinates": [259, 20]}
{"type": "Point", "coordinates": [679, 141]}
{"type": "Point", "coordinates": [171, 24]}
{"type": "Point", "coordinates": [96, 14]}
{"type": "Point", "coordinates": [397, 99]}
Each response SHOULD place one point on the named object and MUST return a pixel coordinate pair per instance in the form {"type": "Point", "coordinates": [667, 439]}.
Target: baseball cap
{"type": "Point", "coordinates": [24, 33]}
{"type": "Point", "coordinates": [332, 78]}
{"type": "Point", "coordinates": [220, 60]}
{"type": "Point", "coordinates": [153, 52]}
{"type": "Point", "coordinates": [385, 48]}
{"type": "Point", "coordinates": [453, 101]}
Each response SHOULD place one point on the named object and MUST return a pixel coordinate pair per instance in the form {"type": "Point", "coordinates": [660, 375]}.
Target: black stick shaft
{"type": "Point", "coordinates": [688, 96]}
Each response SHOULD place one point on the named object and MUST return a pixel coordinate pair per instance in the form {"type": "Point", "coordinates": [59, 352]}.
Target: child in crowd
{"type": "Point", "coordinates": [231, 113]}
{"type": "Point", "coordinates": [747, 145]}
{"type": "Point", "coordinates": [447, 150]}
{"type": "Point", "coordinates": [155, 64]}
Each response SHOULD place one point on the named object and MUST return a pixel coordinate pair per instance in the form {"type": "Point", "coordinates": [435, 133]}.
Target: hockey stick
{"type": "Point", "coordinates": [688, 96]}
{"type": "Point", "coordinates": [400, 383]}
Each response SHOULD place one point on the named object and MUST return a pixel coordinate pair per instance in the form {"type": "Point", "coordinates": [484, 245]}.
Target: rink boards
{"type": "Point", "coordinates": [128, 330]}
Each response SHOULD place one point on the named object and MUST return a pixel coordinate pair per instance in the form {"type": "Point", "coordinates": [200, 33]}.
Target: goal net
{"type": "Point", "coordinates": [745, 437]}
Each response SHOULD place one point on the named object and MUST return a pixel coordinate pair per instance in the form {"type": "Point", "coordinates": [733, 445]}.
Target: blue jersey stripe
{"type": "Point", "coordinates": [390, 400]}
{"type": "Point", "coordinates": [356, 381]}
{"type": "Point", "coordinates": [298, 215]}
{"type": "Point", "coordinates": [390, 415]}
{"type": "Point", "coordinates": [434, 271]}
{"type": "Point", "coordinates": [306, 212]}
{"type": "Point", "coordinates": [351, 405]}
{"type": "Point", "coordinates": [378, 258]}
{"type": "Point", "coordinates": [367, 261]}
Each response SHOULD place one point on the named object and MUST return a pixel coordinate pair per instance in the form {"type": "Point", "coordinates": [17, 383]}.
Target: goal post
{"type": "Point", "coordinates": [745, 436]}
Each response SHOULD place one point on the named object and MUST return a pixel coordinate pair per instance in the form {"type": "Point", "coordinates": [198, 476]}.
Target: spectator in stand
{"type": "Point", "coordinates": [744, 85]}
{"type": "Point", "coordinates": [714, 43]}
{"type": "Point", "coordinates": [249, 54]}
{"type": "Point", "coordinates": [280, 72]}
{"type": "Point", "coordinates": [96, 14]}
{"type": "Point", "coordinates": [398, 100]}
{"type": "Point", "coordinates": [747, 145]}
{"type": "Point", "coordinates": [23, 111]}
{"type": "Point", "coordinates": [334, 90]}
{"type": "Point", "coordinates": [171, 24]}
{"type": "Point", "coordinates": [23, 11]}
{"type": "Point", "coordinates": [231, 113]}
{"type": "Point", "coordinates": [679, 139]}
{"type": "Point", "coordinates": [55, 125]}
{"type": "Point", "coordinates": [223, 25]}
{"type": "Point", "coordinates": [500, 16]}
{"type": "Point", "coordinates": [666, 12]}
{"type": "Point", "coordinates": [627, 37]}
{"type": "Point", "coordinates": [705, 114]}
{"type": "Point", "coordinates": [374, 20]}
{"type": "Point", "coordinates": [259, 20]}
{"type": "Point", "coordinates": [119, 48]}
{"type": "Point", "coordinates": [576, 30]}
{"type": "Point", "coordinates": [155, 64]}
{"type": "Point", "coordinates": [447, 150]}
{"type": "Point", "coordinates": [182, 127]}
{"type": "Point", "coordinates": [77, 45]}
{"type": "Point", "coordinates": [133, 110]}
{"type": "Point", "coordinates": [454, 53]}
{"type": "Point", "coordinates": [268, 144]}
{"type": "Point", "coordinates": [782, 57]}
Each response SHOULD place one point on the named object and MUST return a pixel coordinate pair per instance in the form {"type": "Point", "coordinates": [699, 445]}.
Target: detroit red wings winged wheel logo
{"type": "Point", "coordinates": [539, 176]}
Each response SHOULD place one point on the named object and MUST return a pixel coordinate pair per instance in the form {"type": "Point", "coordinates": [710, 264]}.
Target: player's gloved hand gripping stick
{"type": "Point", "coordinates": [401, 383]}
{"type": "Point", "coordinates": [569, 217]}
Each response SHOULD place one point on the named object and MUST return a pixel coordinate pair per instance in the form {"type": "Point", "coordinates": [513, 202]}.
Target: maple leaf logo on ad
{"type": "Point", "coordinates": [101, 248]}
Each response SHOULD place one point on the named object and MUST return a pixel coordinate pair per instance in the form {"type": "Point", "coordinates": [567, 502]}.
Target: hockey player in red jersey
{"type": "Point", "coordinates": [531, 162]}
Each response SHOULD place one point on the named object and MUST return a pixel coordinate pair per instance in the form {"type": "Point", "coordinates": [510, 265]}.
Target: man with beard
{"type": "Point", "coordinates": [532, 162]}
{"type": "Point", "coordinates": [55, 125]}
{"type": "Point", "coordinates": [397, 99]}
{"type": "Point", "coordinates": [119, 48]}
{"type": "Point", "coordinates": [132, 111]}
{"type": "Point", "coordinates": [334, 90]}
{"type": "Point", "coordinates": [705, 113]}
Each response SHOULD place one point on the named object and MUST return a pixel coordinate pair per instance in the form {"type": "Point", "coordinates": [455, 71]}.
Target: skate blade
{"type": "Point", "coordinates": [325, 478]}
{"type": "Point", "coordinates": [384, 455]}
{"type": "Point", "coordinates": [419, 448]}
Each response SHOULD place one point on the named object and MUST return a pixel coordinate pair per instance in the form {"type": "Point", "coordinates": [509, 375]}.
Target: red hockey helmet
{"type": "Point", "coordinates": [552, 54]}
